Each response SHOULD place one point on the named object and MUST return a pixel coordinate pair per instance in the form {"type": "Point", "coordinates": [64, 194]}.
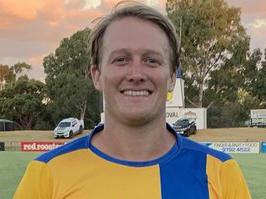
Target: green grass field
{"type": "Point", "coordinates": [12, 167]}
{"type": "Point", "coordinates": [13, 164]}
{"type": "Point", "coordinates": [254, 169]}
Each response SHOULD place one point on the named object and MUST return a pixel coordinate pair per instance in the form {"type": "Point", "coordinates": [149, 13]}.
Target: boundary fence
{"type": "Point", "coordinates": [227, 147]}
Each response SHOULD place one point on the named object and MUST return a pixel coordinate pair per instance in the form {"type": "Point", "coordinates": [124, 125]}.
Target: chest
{"type": "Point", "coordinates": [155, 182]}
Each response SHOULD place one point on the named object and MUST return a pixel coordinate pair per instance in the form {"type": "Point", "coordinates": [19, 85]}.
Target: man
{"type": "Point", "coordinates": [135, 154]}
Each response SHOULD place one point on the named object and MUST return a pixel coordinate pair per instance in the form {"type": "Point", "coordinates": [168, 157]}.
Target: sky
{"type": "Point", "coordinates": [32, 29]}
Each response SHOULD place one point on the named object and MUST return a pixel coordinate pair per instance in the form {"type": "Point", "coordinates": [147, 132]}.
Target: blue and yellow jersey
{"type": "Point", "coordinates": [78, 170]}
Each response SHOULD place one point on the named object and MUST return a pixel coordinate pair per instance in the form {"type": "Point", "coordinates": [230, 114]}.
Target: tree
{"type": "Point", "coordinates": [260, 87]}
{"type": "Point", "coordinates": [225, 83]}
{"type": "Point", "coordinates": [211, 35]}
{"type": "Point", "coordinates": [235, 89]}
{"type": "Point", "coordinates": [6, 75]}
{"type": "Point", "coordinates": [22, 101]}
{"type": "Point", "coordinates": [70, 89]}
{"type": "Point", "coordinates": [19, 67]}
{"type": "Point", "coordinates": [252, 90]}
{"type": "Point", "coordinates": [9, 74]}
{"type": "Point", "coordinates": [257, 77]}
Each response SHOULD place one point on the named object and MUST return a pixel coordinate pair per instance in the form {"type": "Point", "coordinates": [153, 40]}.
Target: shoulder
{"type": "Point", "coordinates": [196, 147]}
{"type": "Point", "coordinates": [78, 144]}
{"type": "Point", "coordinates": [197, 150]}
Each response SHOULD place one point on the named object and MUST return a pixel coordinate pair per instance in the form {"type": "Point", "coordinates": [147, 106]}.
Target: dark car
{"type": "Point", "coordinates": [185, 127]}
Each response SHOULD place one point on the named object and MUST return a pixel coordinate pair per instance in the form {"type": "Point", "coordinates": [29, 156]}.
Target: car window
{"type": "Point", "coordinates": [182, 122]}
{"type": "Point", "coordinates": [64, 124]}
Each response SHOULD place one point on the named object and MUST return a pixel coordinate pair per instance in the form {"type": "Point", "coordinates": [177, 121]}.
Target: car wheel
{"type": "Point", "coordinates": [70, 134]}
{"type": "Point", "coordinates": [80, 129]}
{"type": "Point", "coordinates": [186, 133]}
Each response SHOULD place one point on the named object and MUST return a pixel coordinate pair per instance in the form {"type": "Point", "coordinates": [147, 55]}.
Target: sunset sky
{"type": "Point", "coordinates": [31, 29]}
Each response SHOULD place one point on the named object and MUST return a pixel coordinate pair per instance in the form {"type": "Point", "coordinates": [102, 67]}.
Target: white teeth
{"type": "Point", "coordinates": [136, 93]}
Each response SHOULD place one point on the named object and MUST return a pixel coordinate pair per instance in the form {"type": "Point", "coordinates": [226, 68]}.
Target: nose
{"type": "Point", "coordinates": [135, 73]}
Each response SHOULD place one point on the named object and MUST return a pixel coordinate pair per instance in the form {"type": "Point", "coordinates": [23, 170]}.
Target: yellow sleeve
{"type": "Point", "coordinates": [233, 184]}
{"type": "Point", "coordinates": [36, 182]}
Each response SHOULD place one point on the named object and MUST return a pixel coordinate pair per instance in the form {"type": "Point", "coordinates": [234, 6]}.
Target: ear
{"type": "Point", "coordinates": [96, 75]}
{"type": "Point", "coordinates": [172, 80]}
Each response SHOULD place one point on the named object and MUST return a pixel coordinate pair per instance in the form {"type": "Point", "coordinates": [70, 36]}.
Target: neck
{"type": "Point", "coordinates": [135, 143]}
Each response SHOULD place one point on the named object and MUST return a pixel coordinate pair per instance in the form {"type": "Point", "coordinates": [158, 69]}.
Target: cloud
{"type": "Point", "coordinates": [36, 60]}
{"type": "Point", "coordinates": [251, 10]}
{"type": "Point", "coordinates": [37, 70]}
{"type": "Point", "coordinates": [257, 31]}
{"type": "Point", "coordinates": [91, 4]}
{"type": "Point", "coordinates": [253, 17]}
{"type": "Point", "coordinates": [52, 23]}
{"type": "Point", "coordinates": [31, 29]}
{"type": "Point", "coordinates": [21, 9]}
{"type": "Point", "coordinates": [259, 23]}
{"type": "Point", "coordinates": [152, 3]}
{"type": "Point", "coordinates": [82, 4]}
{"type": "Point", "coordinates": [17, 10]}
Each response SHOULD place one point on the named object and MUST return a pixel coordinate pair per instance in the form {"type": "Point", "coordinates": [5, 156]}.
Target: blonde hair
{"type": "Point", "coordinates": [139, 11]}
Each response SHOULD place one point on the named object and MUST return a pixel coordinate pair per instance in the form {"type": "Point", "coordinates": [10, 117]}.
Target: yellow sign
{"type": "Point", "coordinates": [170, 96]}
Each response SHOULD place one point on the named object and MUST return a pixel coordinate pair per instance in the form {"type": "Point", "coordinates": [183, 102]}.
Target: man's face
{"type": "Point", "coordinates": [134, 73]}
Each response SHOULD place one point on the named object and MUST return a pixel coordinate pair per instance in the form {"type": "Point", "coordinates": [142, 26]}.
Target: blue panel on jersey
{"type": "Point", "coordinates": [189, 144]}
{"type": "Point", "coordinates": [185, 176]}
{"type": "Point", "coordinates": [77, 144]}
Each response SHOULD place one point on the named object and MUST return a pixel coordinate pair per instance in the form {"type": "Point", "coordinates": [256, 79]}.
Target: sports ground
{"type": "Point", "coordinates": [13, 163]}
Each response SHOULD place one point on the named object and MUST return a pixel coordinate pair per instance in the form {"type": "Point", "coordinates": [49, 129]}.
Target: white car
{"type": "Point", "coordinates": [68, 127]}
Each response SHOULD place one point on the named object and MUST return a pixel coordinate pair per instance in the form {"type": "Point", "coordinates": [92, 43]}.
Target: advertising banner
{"type": "Point", "coordinates": [258, 117]}
{"type": "Point", "coordinates": [39, 146]}
{"type": "Point", "coordinates": [263, 147]}
{"type": "Point", "coordinates": [235, 147]}
{"type": "Point", "coordinates": [258, 113]}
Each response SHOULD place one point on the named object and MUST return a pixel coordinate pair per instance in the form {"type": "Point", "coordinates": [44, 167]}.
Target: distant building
{"type": "Point", "coordinates": [7, 125]}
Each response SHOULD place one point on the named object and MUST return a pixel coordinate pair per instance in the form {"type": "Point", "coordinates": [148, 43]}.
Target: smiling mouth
{"type": "Point", "coordinates": [136, 93]}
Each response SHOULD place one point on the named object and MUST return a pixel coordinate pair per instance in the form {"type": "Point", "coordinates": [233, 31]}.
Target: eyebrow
{"type": "Point", "coordinates": [141, 51]}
